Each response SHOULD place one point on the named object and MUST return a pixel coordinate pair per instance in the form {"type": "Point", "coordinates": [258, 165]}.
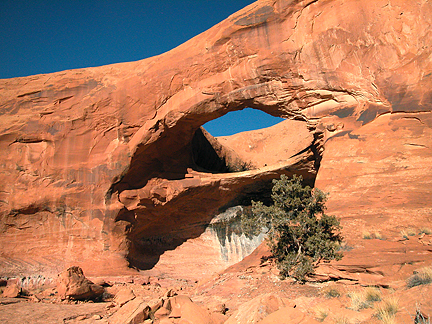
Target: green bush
{"type": "Point", "coordinates": [300, 234]}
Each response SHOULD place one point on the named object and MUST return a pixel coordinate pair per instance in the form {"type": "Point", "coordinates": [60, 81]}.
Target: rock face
{"type": "Point", "coordinates": [108, 167]}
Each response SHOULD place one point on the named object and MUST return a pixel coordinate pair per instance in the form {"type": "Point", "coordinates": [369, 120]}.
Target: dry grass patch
{"type": "Point", "coordinates": [411, 232]}
{"type": "Point", "coordinates": [358, 300]}
{"type": "Point", "coordinates": [372, 294]}
{"type": "Point", "coordinates": [387, 309]}
{"type": "Point", "coordinates": [330, 292]}
{"type": "Point", "coordinates": [404, 234]}
{"type": "Point", "coordinates": [364, 298]}
{"type": "Point", "coordinates": [425, 230]}
{"type": "Point", "coordinates": [321, 313]}
{"type": "Point", "coordinates": [342, 320]}
{"type": "Point", "coordinates": [366, 235]}
{"type": "Point", "coordinates": [422, 276]}
{"type": "Point", "coordinates": [378, 236]}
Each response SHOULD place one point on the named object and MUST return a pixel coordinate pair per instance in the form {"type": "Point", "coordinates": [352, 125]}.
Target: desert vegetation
{"type": "Point", "coordinates": [330, 292]}
{"type": "Point", "coordinates": [367, 235]}
{"type": "Point", "coordinates": [321, 313]}
{"type": "Point", "coordinates": [387, 309]}
{"type": "Point", "coordinates": [422, 276]}
{"type": "Point", "coordinates": [364, 298]}
{"type": "Point", "coordinates": [300, 234]}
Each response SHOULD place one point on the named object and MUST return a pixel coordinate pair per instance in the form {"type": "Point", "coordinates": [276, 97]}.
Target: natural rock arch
{"type": "Point", "coordinates": [177, 183]}
{"type": "Point", "coordinates": [84, 151]}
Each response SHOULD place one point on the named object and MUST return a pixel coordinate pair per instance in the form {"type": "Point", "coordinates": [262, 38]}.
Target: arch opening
{"type": "Point", "coordinates": [218, 145]}
{"type": "Point", "coordinates": [166, 177]}
{"type": "Point", "coordinates": [238, 121]}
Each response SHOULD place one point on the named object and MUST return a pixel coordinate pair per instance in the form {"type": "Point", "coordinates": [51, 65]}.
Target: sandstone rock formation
{"type": "Point", "coordinates": [108, 167]}
{"type": "Point", "coordinates": [72, 284]}
{"type": "Point", "coordinates": [11, 291]}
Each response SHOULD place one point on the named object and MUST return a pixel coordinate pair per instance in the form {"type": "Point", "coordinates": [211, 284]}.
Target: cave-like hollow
{"type": "Point", "coordinates": [174, 203]}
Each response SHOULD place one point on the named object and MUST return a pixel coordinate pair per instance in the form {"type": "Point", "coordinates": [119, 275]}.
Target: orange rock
{"type": "Point", "coordinates": [108, 166]}
{"type": "Point", "coordinates": [123, 296]}
{"type": "Point", "coordinates": [256, 309]}
{"type": "Point", "coordinates": [287, 315]}
{"type": "Point", "coordinates": [189, 312]}
{"type": "Point", "coordinates": [12, 291]}
{"type": "Point", "coordinates": [72, 284]}
{"type": "Point", "coordinates": [133, 312]}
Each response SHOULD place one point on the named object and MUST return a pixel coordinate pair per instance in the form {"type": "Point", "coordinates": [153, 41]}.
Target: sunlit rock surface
{"type": "Point", "coordinates": [107, 167]}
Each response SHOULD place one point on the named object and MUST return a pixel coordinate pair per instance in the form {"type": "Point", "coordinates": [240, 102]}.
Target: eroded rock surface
{"type": "Point", "coordinates": [72, 284]}
{"type": "Point", "coordinates": [108, 167]}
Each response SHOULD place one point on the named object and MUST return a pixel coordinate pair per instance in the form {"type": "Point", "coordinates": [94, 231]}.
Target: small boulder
{"type": "Point", "coordinates": [123, 296]}
{"type": "Point", "coordinates": [217, 307]}
{"type": "Point", "coordinates": [144, 280]}
{"type": "Point", "coordinates": [155, 304]}
{"type": "Point", "coordinates": [134, 312]}
{"type": "Point", "coordinates": [170, 293]}
{"type": "Point", "coordinates": [184, 309]}
{"type": "Point", "coordinates": [72, 284]}
{"type": "Point", "coordinates": [12, 291]}
{"type": "Point", "coordinates": [256, 309]}
{"type": "Point", "coordinates": [101, 282]}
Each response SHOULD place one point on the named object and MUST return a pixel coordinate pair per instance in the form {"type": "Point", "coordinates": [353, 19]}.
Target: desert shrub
{"type": "Point", "coordinates": [366, 235]}
{"type": "Point", "coordinates": [239, 166]}
{"type": "Point", "coordinates": [299, 233]}
{"type": "Point", "coordinates": [358, 300]}
{"type": "Point", "coordinates": [422, 276]}
{"type": "Point", "coordinates": [387, 309]}
{"type": "Point", "coordinates": [331, 292]}
{"type": "Point", "coordinates": [372, 294]}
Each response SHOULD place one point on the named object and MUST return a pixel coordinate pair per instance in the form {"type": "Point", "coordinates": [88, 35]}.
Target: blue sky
{"type": "Point", "coordinates": [41, 36]}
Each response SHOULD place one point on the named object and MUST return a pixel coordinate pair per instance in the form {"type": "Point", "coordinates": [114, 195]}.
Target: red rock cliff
{"type": "Point", "coordinates": [108, 166]}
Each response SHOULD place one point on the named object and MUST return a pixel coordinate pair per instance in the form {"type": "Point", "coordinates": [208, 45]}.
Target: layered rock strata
{"type": "Point", "coordinates": [108, 167]}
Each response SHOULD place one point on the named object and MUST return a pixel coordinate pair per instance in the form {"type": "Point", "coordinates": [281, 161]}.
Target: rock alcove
{"type": "Point", "coordinates": [197, 190]}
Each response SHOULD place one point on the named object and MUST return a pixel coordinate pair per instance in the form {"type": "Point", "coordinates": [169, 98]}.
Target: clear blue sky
{"type": "Point", "coordinates": [41, 36]}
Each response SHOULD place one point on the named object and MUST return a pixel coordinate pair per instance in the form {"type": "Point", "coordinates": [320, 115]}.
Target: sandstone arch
{"type": "Point", "coordinates": [89, 155]}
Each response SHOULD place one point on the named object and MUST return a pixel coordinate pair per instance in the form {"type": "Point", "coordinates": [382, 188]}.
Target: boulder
{"type": "Point", "coordinates": [256, 309]}
{"type": "Point", "coordinates": [135, 311]}
{"type": "Point", "coordinates": [72, 284]}
{"type": "Point", "coordinates": [123, 296]}
{"type": "Point", "coordinates": [184, 308]}
{"type": "Point", "coordinates": [12, 291]}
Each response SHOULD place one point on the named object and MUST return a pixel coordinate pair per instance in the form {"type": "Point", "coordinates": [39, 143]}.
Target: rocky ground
{"type": "Point", "coordinates": [248, 292]}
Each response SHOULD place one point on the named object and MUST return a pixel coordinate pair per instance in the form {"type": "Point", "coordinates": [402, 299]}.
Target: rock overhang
{"type": "Point", "coordinates": [98, 145]}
